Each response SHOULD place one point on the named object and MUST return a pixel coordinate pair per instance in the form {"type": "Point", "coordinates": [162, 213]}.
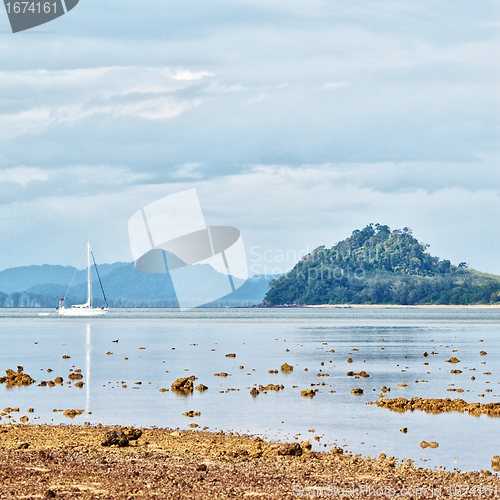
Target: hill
{"type": "Point", "coordinates": [125, 286]}
{"type": "Point", "coordinates": [18, 279]}
{"type": "Point", "coordinates": [377, 265]}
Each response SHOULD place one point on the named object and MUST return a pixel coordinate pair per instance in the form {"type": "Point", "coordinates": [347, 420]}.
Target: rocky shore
{"type": "Point", "coordinates": [432, 405]}
{"type": "Point", "coordinates": [96, 462]}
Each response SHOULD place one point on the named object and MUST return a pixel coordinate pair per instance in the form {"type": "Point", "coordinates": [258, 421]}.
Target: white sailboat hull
{"type": "Point", "coordinates": [84, 311]}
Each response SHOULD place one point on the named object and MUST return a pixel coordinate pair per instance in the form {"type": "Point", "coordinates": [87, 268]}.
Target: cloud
{"type": "Point", "coordinates": [335, 85]}
{"type": "Point", "coordinates": [279, 208]}
{"type": "Point", "coordinates": [23, 175]}
{"type": "Point", "coordinates": [108, 93]}
{"type": "Point", "coordinates": [297, 121]}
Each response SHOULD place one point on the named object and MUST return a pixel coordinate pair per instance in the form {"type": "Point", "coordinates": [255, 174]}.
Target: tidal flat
{"type": "Point", "coordinates": [281, 375]}
{"type": "Point", "coordinates": [97, 462]}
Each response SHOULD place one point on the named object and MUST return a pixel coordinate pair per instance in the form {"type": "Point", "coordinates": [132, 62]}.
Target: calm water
{"type": "Point", "coordinates": [382, 342]}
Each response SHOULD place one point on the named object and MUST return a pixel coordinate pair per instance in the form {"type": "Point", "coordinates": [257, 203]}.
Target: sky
{"type": "Point", "coordinates": [296, 121]}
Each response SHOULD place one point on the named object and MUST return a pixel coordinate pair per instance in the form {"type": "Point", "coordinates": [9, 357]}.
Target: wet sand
{"type": "Point", "coordinates": [42, 461]}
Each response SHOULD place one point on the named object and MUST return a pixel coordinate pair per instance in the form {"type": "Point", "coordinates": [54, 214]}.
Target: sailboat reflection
{"type": "Point", "coordinates": [88, 348]}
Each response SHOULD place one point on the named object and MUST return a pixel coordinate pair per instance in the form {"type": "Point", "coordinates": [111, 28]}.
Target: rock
{"type": "Point", "coordinates": [403, 385]}
{"type": "Point", "coordinates": [221, 374]}
{"type": "Point", "coordinates": [424, 444]}
{"type": "Point", "coordinates": [72, 413]}
{"type": "Point", "coordinates": [483, 353]}
{"type": "Point", "coordinates": [485, 473]}
{"type": "Point", "coordinates": [337, 450]}
{"type": "Point", "coordinates": [109, 353]}
{"type": "Point", "coordinates": [58, 380]}
{"type": "Point", "coordinates": [163, 389]}
{"type": "Point", "coordinates": [75, 376]}
{"type": "Point", "coordinates": [24, 419]}
{"type": "Point", "coordinates": [452, 360]}
{"type": "Point", "coordinates": [433, 444]}
{"type": "Point", "coordinates": [456, 371]}
{"type": "Point", "coordinates": [363, 374]}
{"type": "Point", "coordinates": [350, 374]}
{"type": "Point", "coordinates": [131, 433]}
{"type": "Point", "coordinates": [16, 378]}
{"type": "Point", "coordinates": [271, 387]}
{"type": "Point", "coordinates": [254, 392]}
{"type": "Point", "coordinates": [201, 387]}
{"type": "Point", "coordinates": [30, 410]}
{"type": "Point", "coordinates": [306, 445]}
{"type": "Point", "coordinates": [309, 393]}
{"type": "Point", "coordinates": [290, 449]}
{"type": "Point", "coordinates": [79, 384]}
{"type": "Point", "coordinates": [286, 368]}
{"type": "Point", "coordinates": [495, 463]}
{"type": "Point", "coordinates": [272, 371]}
{"type": "Point", "coordinates": [66, 357]}
{"type": "Point", "coordinates": [440, 405]}
{"type": "Point", "coordinates": [230, 355]}
{"type": "Point", "coordinates": [404, 430]}
{"type": "Point", "coordinates": [193, 426]}
{"type": "Point", "coordinates": [184, 384]}
{"type": "Point", "coordinates": [386, 389]}
{"type": "Point", "coordinates": [382, 456]}
{"type": "Point", "coordinates": [192, 413]}
{"type": "Point", "coordinates": [115, 437]}
{"type": "Point", "coordinates": [357, 391]}
{"type": "Point", "coordinates": [425, 354]}
{"type": "Point", "coordinates": [241, 367]}
{"type": "Point", "coordinates": [349, 360]}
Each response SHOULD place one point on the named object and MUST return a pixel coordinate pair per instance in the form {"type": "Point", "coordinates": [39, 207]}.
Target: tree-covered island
{"type": "Point", "coordinates": [377, 265]}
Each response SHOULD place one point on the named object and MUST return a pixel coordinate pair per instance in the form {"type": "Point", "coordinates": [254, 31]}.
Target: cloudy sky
{"type": "Point", "coordinates": [296, 121]}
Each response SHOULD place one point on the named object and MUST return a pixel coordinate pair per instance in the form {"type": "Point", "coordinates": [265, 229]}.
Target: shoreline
{"type": "Point", "coordinates": [71, 461]}
{"type": "Point", "coordinates": [399, 306]}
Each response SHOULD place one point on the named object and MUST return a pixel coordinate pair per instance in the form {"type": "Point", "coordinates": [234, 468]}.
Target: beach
{"type": "Point", "coordinates": [71, 461]}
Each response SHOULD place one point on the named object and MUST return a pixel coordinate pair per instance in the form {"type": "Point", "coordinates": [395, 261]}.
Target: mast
{"type": "Point", "coordinates": [89, 277]}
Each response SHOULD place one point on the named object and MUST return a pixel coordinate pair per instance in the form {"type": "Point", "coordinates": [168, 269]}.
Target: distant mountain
{"type": "Point", "coordinates": [125, 286]}
{"type": "Point", "coordinates": [377, 265]}
{"type": "Point", "coordinates": [18, 279]}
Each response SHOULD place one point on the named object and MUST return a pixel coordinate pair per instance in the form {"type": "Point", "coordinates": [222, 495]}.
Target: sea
{"type": "Point", "coordinates": [129, 355]}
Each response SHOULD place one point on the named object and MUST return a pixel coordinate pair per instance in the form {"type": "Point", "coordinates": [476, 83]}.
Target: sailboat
{"type": "Point", "coordinates": [86, 309]}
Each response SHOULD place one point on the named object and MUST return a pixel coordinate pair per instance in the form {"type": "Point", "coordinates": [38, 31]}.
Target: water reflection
{"type": "Point", "coordinates": [88, 348]}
